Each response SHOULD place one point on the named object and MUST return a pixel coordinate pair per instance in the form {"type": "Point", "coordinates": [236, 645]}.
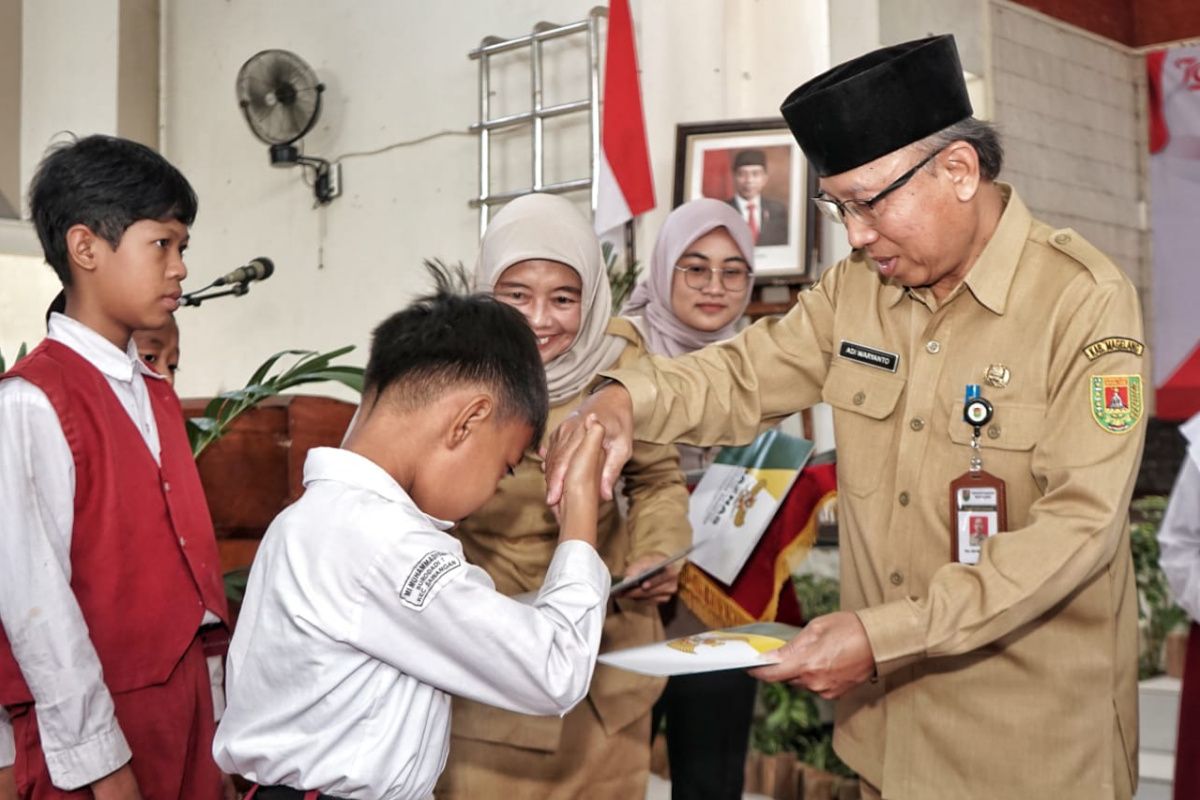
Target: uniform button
{"type": "Point", "coordinates": [1062, 238]}
{"type": "Point", "coordinates": [904, 498]}
{"type": "Point", "coordinates": [916, 423]}
{"type": "Point", "coordinates": [166, 486]}
{"type": "Point", "coordinates": [182, 542]}
{"type": "Point", "coordinates": [933, 346]}
{"type": "Point", "coordinates": [896, 578]}
{"type": "Point", "coordinates": [859, 398]}
{"type": "Point", "coordinates": [993, 431]}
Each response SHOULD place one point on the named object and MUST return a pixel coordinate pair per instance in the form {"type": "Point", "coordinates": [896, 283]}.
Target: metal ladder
{"type": "Point", "coordinates": [535, 117]}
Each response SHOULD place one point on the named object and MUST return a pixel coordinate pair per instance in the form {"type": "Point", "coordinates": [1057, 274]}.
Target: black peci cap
{"type": "Point", "coordinates": [749, 158]}
{"type": "Point", "coordinates": [877, 103]}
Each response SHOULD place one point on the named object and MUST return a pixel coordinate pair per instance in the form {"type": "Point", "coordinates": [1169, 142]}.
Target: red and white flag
{"type": "Point", "coordinates": [626, 185]}
{"type": "Point", "coordinates": [1174, 93]}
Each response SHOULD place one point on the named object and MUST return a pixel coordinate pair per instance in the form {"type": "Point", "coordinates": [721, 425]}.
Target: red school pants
{"type": "Point", "coordinates": [169, 728]}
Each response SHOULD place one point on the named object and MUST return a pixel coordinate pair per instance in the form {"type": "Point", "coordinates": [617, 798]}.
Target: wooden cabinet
{"type": "Point", "coordinates": [257, 468]}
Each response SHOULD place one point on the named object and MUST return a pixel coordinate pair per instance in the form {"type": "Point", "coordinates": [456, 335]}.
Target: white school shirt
{"type": "Point", "coordinates": [79, 735]}
{"type": "Point", "coordinates": [8, 752]}
{"type": "Point", "coordinates": [360, 619]}
{"type": "Point", "coordinates": [1179, 534]}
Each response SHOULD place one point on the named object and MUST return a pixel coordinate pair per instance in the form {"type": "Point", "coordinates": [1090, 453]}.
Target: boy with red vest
{"type": "Point", "coordinates": [108, 565]}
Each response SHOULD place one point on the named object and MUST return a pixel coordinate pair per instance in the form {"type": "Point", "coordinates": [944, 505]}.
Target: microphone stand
{"type": "Point", "coordinates": [197, 297]}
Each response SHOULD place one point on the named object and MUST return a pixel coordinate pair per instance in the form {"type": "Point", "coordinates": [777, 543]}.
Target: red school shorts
{"type": "Point", "coordinates": [169, 728]}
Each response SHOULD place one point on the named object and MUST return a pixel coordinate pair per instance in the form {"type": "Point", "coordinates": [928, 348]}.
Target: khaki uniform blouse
{"type": "Point", "coordinates": [1015, 678]}
{"type": "Point", "coordinates": [513, 538]}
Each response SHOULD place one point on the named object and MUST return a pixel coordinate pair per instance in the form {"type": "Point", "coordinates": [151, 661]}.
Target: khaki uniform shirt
{"type": "Point", "coordinates": [1015, 678]}
{"type": "Point", "coordinates": [513, 538]}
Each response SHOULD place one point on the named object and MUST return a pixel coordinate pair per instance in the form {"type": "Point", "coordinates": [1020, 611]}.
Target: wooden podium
{"type": "Point", "coordinates": [257, 468]}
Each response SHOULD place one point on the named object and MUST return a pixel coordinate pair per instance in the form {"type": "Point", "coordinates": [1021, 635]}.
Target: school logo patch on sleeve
{"type": "Point", "coordinates": [1117, 402]}
{"type": "Point", "coordinates": [430, 571]}
{"type": "Point", "coordinates": [1113, 344]}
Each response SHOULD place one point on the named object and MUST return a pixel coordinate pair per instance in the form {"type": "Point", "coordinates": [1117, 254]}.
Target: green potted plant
{"type": "Point", "coordinates": [1158, 614]}
{"type": "Point", "coordinates": [792, 734]}
{"type": "Point", "coordinates": [21, 352]}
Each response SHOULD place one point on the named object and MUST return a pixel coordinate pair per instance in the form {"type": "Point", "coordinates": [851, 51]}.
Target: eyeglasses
{"type": "Point", "coordinates": [863, 211]}
{"type": "Point", "coordinates": [734, 279]}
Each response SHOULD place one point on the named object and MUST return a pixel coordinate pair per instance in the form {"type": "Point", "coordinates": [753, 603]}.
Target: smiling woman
{"type": "Point", "coordinates": [542, 238]}
{"type": "Point", "coordinates": [701, 274]}
{"type": "Point", "coordinates": [540, 256]}
{"type": "Point", "coordinates": [548, 294]}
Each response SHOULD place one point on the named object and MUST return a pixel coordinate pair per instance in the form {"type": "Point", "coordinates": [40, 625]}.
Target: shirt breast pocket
{"type": "Point", "coordinates": [864, 403]}
{"type": "Point", "coordinates": [1015, 427]}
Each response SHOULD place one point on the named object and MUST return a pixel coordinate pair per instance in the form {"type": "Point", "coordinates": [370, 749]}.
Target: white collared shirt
{"type": "Point", "coordinates": [80, 737]}
{"type": "Point", "coordinates": [362, 616]}
{"type": "Point", "coordinates": [8, 753]}
{"type": "Point", "coordinates": [743, 206]}
{"type": "Point", "coordinates": [1179, 534]}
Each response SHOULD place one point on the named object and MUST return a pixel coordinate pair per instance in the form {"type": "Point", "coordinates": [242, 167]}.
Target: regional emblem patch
{"type": "Point", "coordinates": [1117, 403]}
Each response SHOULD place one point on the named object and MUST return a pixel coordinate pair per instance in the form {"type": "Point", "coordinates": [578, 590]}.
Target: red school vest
{"type": "Point", "coordinates": [144, 563]}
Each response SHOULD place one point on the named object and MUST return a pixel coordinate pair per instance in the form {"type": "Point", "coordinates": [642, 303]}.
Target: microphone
{"type": "Point", "coordinates": [259, 269]}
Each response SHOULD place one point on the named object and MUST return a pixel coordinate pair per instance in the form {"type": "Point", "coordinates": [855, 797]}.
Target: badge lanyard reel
{"type": "Point", "coordinates": [977, 500]}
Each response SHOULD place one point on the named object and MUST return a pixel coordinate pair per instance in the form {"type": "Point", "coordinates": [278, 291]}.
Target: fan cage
{"type": "Point", "coordinates": [279, 95]}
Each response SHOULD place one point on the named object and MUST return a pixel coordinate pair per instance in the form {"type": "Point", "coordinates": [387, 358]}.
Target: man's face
{"type": "Point", "coordinates": [919, 236]}
{"type": "Point", "coordinates": [750, 181]}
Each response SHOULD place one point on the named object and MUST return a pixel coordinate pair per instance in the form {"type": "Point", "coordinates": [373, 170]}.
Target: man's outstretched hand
{"type": "Point", "coordinates": [612, 408]}
{"type": "Point", "coordinates": [830, 656]}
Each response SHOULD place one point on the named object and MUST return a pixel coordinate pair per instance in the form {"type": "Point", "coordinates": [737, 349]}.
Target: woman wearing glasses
{"type": "Point", "coordinates": [701, 274]}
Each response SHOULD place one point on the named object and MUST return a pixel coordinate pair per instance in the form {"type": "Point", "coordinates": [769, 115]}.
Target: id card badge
{"type": "Point", "coordinates": [978, 505]}
{"type": "Point", "coordinates": [977, 513]}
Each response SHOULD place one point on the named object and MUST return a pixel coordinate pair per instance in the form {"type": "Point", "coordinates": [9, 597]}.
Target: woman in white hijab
{"type": "Point", "coordinates": [699, 284]}
{"type": "Point", "coordinates": [540, 255]}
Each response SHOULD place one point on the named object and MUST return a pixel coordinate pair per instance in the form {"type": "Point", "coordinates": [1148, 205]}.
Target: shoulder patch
{"type": "Point", "coordinates": [1113, 344]}
{"type": "Point", "coordinates": [1116, 401]}
{"type": "Point", "coordinates": [430, 571]}
{"type": "Point", "coordinates": [1069, 242]}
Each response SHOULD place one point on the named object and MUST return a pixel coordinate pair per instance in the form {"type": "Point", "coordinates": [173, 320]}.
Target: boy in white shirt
{"type": "Point", "coordinates": [108, 565]}
{"type": "Point", "coordinates": [362, 617]}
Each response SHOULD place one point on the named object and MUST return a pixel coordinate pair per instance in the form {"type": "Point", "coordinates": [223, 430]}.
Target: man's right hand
{"type": "Point", "coordinates": [119, 785]}
{"type": "Point", "coordinates": [613, 409]}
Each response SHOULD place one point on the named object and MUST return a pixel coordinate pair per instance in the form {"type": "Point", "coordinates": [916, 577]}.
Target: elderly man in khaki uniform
{"type": "Point", "coordinates": [1015, 676]}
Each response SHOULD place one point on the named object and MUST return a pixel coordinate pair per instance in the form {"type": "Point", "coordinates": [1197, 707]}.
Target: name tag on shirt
{"type": "Point", "coordinates": [431, 570]}
{"type": "Point", "coordinates": [880, 359]}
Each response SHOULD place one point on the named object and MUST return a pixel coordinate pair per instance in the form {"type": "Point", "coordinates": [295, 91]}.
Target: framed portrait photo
{"type": "Point", "coordinates": [756, 166]}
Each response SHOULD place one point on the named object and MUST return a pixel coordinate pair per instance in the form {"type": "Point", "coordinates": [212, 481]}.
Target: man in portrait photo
{"type": "Point", "coordinates": [767, 218]}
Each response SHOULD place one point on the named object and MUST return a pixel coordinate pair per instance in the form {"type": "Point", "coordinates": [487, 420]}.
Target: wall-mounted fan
{"type": "Point", "coordinates": [280, 97]}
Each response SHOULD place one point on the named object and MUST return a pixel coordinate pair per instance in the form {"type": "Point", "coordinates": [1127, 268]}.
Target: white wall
{"type": "Point", "coordinates": [398, 70]}
{"type": "Point", "coordinates": [1071, 109]}
{"type": "Point", "coordinates": [26, 287]}
{"type": "Point", "coordinates": [69, 75]}
{"type": "Point", "coordinates": [71, 81]}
